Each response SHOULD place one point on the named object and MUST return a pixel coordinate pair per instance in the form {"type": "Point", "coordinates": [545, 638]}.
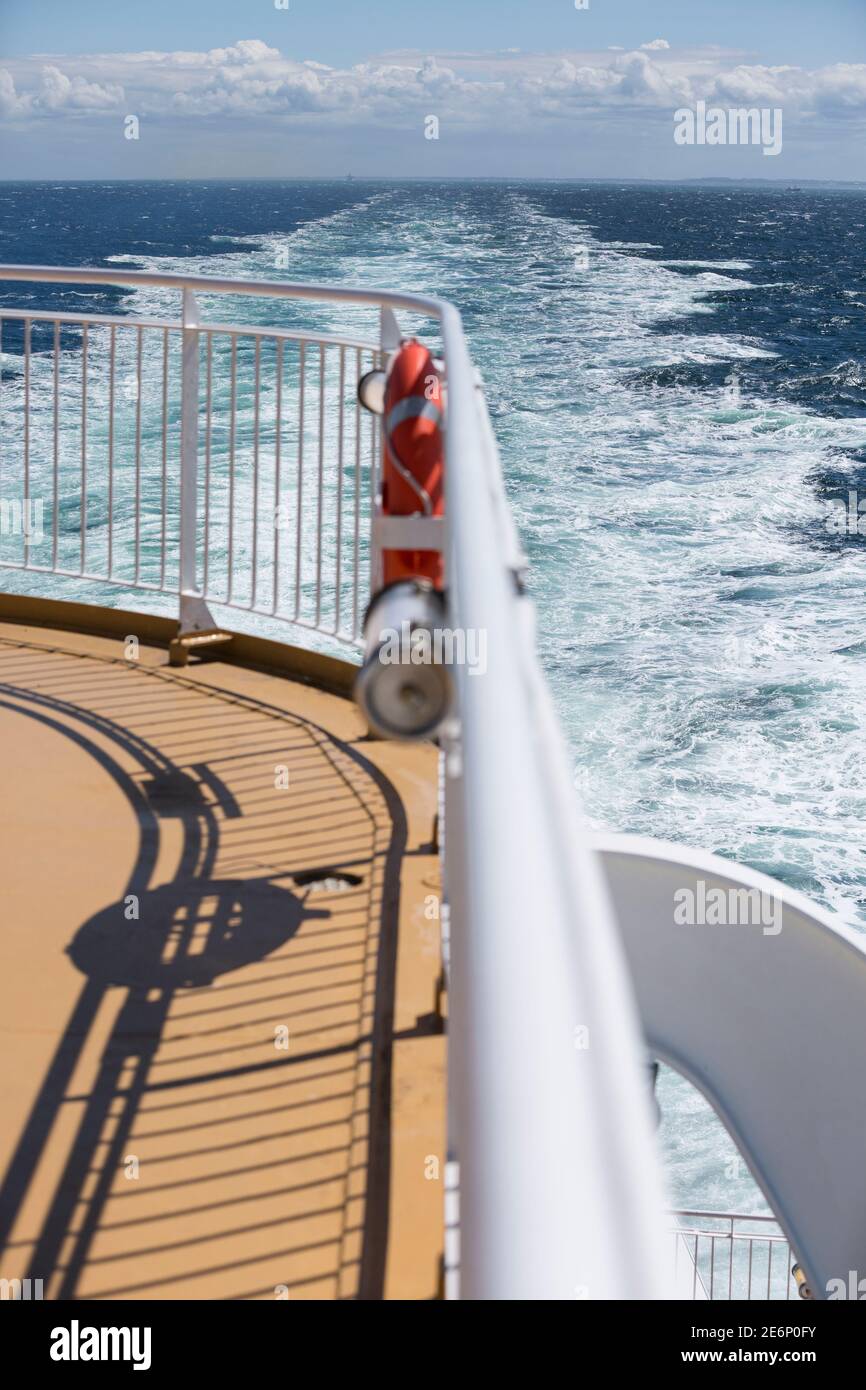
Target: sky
{"type": "Point", "coordinates": [462, 88]}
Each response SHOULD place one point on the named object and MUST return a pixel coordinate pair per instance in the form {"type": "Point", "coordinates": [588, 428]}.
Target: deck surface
{"type": "Point", "coordinates": [222, 1069]}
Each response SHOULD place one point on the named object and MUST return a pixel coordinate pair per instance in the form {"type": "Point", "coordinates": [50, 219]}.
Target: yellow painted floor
{"type": "Point", "coordinates": [222, 1066]}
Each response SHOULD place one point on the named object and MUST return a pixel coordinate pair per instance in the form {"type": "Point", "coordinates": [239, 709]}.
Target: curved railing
{"type": "Point", "coordinates": [264, 506]}
{"type": "Point", "coordinates": [186, 459]}
{"type": "Point", "coordinates": [729, 1255]}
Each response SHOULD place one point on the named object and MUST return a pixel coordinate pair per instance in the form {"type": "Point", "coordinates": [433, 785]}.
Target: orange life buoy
{"type": "Point", "coordinates": [413, 471]}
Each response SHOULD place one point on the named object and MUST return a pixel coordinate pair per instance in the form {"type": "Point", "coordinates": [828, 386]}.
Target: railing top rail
{"type": "Point", "coordinates": [250, 330]}
{"type": "Point", "coordinates": [733, 1238]}
{"type": "Point", "coordinates": [726, 1215]}
{"type": "Point", "coordinates": [266, 289]}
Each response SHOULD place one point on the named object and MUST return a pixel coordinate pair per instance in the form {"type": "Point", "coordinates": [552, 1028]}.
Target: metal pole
{"type": "Point", "coordinates": [193, 611]}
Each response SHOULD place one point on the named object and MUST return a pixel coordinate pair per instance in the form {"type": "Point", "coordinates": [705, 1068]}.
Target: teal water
{"type": "Point", "coordinates": [676, 378]}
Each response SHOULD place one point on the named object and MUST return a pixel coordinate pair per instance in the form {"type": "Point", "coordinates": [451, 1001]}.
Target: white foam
{"type": "Point", "coordinates": [691, 618]}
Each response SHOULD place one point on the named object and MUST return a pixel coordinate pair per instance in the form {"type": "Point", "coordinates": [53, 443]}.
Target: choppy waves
{"type": "Point", "coordinates": [704, 636]}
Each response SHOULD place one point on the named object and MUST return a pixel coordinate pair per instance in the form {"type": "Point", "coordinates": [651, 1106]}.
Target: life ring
{"type": "Point", "coordinates": [413, 469]}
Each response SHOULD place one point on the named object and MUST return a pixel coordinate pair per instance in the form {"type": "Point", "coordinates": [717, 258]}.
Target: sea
{"type": "Point", "coordinates": [676, 375]}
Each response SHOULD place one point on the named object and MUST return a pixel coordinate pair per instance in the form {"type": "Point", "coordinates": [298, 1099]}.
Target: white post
{"type": "Point", "coordinates": [194, 615]}
{"type": "Point", "coordinates": [390, 338]}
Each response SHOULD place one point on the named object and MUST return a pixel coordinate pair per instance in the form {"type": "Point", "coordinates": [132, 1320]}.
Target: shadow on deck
{"type": "Point", "coordinates": [203, 895]}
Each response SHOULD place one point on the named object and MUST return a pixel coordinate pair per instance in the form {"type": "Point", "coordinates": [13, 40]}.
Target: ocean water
{"type": "Point", "coordinates": [677, 379]}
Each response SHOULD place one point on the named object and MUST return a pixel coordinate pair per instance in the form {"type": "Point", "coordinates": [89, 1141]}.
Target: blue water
{"type": "Point", "coordinates": [676, 377]}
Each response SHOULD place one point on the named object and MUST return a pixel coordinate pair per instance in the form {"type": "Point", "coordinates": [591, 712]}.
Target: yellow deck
{"type": "Point", "coordinates": [219, 1080]}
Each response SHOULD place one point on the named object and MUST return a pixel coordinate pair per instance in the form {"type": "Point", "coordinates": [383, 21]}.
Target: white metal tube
{"type": "Point", "coordinates": [263, 289]}
{"type": "Point", "coordinates": [55, 445]}
{"type": "Point", "coordinates": [189, 446]}
{"type": "Point", "coordinates": [257, 415]}
{"type": "Point", "coordinates": [278, 431]}
{"type": "Point", "coordinates": [208, 406]}
{"type": "Point", "coordinates": [139, 349]}
{"type": "Point", "coordinates": [83, 504]}
{"type": "Point", "coordinates": [112, 359]}
{"type": "Point", "coordinates": [299, 492]}
{"type": "Point", "coordinates": [341, 392]}
{"type": "Point", "coordinates": [559, 1190]}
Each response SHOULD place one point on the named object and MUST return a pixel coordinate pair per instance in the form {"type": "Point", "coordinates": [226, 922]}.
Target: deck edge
{"type": "Point", "coordinates": [327, 673]}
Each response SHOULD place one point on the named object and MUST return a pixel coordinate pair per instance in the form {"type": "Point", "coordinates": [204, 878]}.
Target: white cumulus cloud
{"type": "Point", "coordinates": [252, 80]}
{"type": "Point", "coordinates": [58, 92]}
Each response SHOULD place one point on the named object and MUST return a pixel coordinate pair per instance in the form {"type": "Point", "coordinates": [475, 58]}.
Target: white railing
{"type": "Point", "coordinates": [724, 1255]}
{"type": "Point", "coordinates": [552, 1160]}
{"type": "Point", "coordinates": [176, 457]}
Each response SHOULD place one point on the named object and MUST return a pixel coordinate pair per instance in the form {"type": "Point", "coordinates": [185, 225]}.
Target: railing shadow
{"type": "Point", "coordinates": [237, 1179]}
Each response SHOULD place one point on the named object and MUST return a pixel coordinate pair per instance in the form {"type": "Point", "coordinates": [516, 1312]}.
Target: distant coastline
{"type": "Point", "coordinates": [784, 183]}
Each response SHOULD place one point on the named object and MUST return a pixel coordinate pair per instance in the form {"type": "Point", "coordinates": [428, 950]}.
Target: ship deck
{"type": "Point", "coordinates": [223, 1060]}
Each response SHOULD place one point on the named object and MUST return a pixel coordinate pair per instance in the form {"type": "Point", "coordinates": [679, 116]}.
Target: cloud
{"type": "Point", "coordinates": [643, 83]}
{"type": "Point", "coordinates": [498, 90]}
{"type": "Point", "coordinates": [58, 92]}
{"type": "Point", "coordinates": [55, 91]}
{"type": "Point", "coordinates": [11, 104]}
{"type": "Point", "coordinates": [841, 88]}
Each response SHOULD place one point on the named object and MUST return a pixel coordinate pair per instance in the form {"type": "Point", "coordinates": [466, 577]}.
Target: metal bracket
{"type": "Point", "coordinates": [389, 330]}
{"type": "Point", "coordinates": [197, 628]}
{"type": "Point", "coordinates": [182, 647]}
{"type": "Point", "coordinates": [409, 532]}
{"type": "Point", "coordinates": [195, 616]}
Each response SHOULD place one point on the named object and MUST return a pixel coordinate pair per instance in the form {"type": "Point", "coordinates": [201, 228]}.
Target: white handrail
{"type": "Point", "coordinates": [267, 289]}
{"type": "Point", "coordinates": [549, 1120]}
{"type": "Point", "coordinates": [727, 1261]}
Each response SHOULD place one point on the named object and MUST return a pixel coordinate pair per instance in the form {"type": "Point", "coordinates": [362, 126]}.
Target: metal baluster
{"type": "Point", "coordinates": [340, 431]}
{"type": "Point", "coordinates": [375, 576]}
{"type": "Point", "coordinates": [111, 371]}
{"type": "Point", "coordinates": [278, 516]}
{"type": "Point", "coordinates": [233, 407]}
{"type": "Point", "coordinates": [256, 433]}
{"type": "Point", "coordinates": [138, 457]}
{"type": "Point", "coordinates": [56, 444]}
{"type": "Point", "coordinates": [356, 559]}
{"type": "Point", "coordinates": [164, 476]}
{"type": "Point", "coordinates": [25, 499]}
{"type": "Point", "coordinates": [302, 372]}
{"type": "Point", "coordinates": [319, 504]}
{"type": "Point", "coordinates": [207, 457]}
{"type": "Point", "coordinates": [188, 578]}
{"type": "Point", "coordinates": [83, 505]}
